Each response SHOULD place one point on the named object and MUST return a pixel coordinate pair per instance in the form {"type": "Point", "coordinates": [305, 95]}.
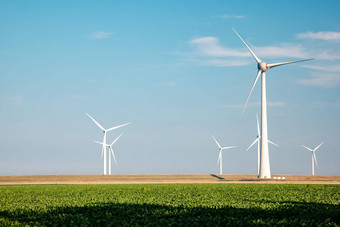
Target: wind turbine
{"type": "Point", "coordinates": [104, 139]}
{"type": "Point", "coordinates": [313, 155]}
{"type": "Point", "coordinates": [258, 136]}
{"type": "Point", "coordinates": [262, 68]}
{"type": "Point", "coordinates": [220, 153]}
{"type": "Point", "coordinates": [110, 149]}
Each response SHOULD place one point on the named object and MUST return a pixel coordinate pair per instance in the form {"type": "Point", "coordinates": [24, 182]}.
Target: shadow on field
{"type": "Point", "coordinates": [220, 178]}
{"type": "Point", "coordinates": [121, 214]}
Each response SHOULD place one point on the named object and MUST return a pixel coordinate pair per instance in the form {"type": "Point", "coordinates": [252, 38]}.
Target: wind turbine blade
{"type": "Point", "coordinates": [101, 127]}
{"type": "Point", "coordinates": [113, 155]}
{"type": "Point", "coordinates": [257, 77]}
{"type": "Point", "coordinates": [102, 152]}
{"type": "Point", "coordinates": [113, 128]}
{"type": "Point", "coordinates": [224, 148]}
{"type": "Point", "coordinates": [316, 162]}
{"type": "Point", "coordinates": [252, 143]}
{"type": "Point", "coordinates": [273, 143]}
{"type": "Point", "coordinates": [318, 146]}
{"type": "Point", "coordinates": [285, 63]}
{"type": "Point", "coordinates": [98, 142]}
{"type": "Point", "coordinates": [307, 148]}
{"type": "Point", "coordinates": [252, 53]}
{"type": "Point", "coordinates": [216, 142]}
{"type": "Point", "coordinates": [116, 139]}
{"type": "Point", "coordinates": [258, 126]}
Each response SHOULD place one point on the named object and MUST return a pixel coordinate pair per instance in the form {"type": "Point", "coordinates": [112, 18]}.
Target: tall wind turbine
{"type": "Point", "coordinates": [104, 139]}
{"type": "Point", "coordinates": [262, 68]}
{"type": "Point", "coordinates": [110, 150]}
{"type": "Point", "coordinates": [220, 153]}
{"type": "Point", "coordinates": [258, 136]}
{"type": "Point", "coordinates": [313, 155]}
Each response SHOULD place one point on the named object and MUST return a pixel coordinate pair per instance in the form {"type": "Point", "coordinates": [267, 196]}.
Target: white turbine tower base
{"type": "Point", "coordinates": [104, 138]}
{"type": "Point", "coordinates": [313, 155]}
{"type": "Point", "coordinates": [262, 68]}
{"type": "Point", "coordinates": [219, 160]}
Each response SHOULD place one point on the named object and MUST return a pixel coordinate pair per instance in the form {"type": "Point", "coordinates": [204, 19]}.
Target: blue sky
{"type": "Point", "coordinates": [178, 73]}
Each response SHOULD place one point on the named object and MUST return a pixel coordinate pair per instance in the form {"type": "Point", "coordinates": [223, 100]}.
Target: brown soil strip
{"type": "Point", "coordinates": [165, 179]}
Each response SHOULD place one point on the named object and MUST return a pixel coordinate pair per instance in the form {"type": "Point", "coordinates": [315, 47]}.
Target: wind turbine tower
{"type": "Point", "coordinates": [104, 138]}
{"type": "Point", "coordinates": [219, 160]}
{"type": "Point", "coordinates": [262, 68]}
{"type": "Point", "coordinates": [110, 151]}
{"type": "Point", "coordinates": [313, 155]}
{"type": "Point", "coordinates": [258, 137]}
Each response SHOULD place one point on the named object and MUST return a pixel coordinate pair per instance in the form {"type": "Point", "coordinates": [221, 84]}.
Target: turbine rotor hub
{"type": "Point", "coordinates": [262, 66]}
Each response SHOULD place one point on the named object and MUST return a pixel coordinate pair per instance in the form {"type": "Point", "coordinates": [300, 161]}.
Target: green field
{"type": "Point", "coordinates": [170, 204]}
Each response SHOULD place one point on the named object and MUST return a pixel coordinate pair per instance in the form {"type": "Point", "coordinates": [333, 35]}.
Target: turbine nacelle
{"type": "Point", "coordinates": [262, 66]}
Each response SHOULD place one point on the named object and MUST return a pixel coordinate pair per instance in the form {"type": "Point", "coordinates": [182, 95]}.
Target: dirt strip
{"type": "Point", "coordinates": [165, 179]}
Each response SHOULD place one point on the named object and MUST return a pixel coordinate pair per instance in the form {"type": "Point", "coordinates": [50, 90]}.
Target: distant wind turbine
{"type": "Point", "coordinates": [262, 68]}
{"type": "Point", "coordinates": [104, 139]}
{"type": "Point", "coordinates": [258, 136]}
{"type": "Point", "coordinates": [220, 153]}
{"type": "Point", "coordinates": [110, 150]}
{"type": "Point", "coordinates": [313, 155]}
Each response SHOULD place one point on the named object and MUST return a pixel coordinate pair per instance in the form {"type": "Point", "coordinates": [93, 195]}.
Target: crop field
{"type": "Point", "coordinates": [170, 204]}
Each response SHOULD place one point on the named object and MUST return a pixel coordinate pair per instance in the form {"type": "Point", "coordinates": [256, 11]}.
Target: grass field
{"type": "Point", "coordinates": [170, 204]}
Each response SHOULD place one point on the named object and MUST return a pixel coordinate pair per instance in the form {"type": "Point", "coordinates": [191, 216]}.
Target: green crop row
{"type": "Point", "coordinates": [170, 204]}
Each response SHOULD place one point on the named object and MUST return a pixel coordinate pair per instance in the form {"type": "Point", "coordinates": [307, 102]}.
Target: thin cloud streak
{"type": "Point", "coordinates": [333, 68]}
{"type": "Point", "coordinates": [283, 50]}
{"type": "Point", "coordinates": [101, 35]}
{"type": "Point", "coordinates": [327, 56]}
{"type": "Point", "coordinates": [209, 51]}
{"type": "Point", "coordinates": [320, 35]}
{"type": "Point", "coordinates": [210, 46]}
{"type": "Point", "coordinates": [226, 16]}
{"type": "Point", "coordinates": [326, 80]}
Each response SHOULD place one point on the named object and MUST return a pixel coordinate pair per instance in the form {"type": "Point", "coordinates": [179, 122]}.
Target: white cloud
{"type": "Point", "coordinates": [330, 77]}
{"type": "Point", "coordinates": [226, 16]}
{"type": "Point", "coordinates": [282, 50]}
{"type": "Point", "coordinates": [209, 46]}
{"type": "Point", "coordinates": [101, 35]}
{"type": "Point", "coordinates": [209, 51]}
{"type": "Point", "coordinates": [320, 35]}
{"type": "Point", "coordinates": [324, 55]}
{"type": "Point", "coordinates": [333, 68]}
{"type": "Point", "coordinates": [327, 80]}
